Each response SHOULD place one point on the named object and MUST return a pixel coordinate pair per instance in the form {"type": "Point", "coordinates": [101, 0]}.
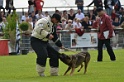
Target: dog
{"type": "Point", "coordinates": [74, 61]}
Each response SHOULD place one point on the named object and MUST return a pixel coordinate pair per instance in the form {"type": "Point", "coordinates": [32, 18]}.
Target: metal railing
{"type": "Point", "coordinates": [86, 8]}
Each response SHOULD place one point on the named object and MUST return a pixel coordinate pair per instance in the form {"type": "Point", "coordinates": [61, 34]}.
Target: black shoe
{"type": "Point", "coordinates": [113, 59]}
{"type": "Point", "coordinates": [99, 60]}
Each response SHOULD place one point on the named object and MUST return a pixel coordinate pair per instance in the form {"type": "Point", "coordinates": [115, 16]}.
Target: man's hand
{"type": "Point", "coordinates": [62, 47]}
{"type": "Point", "coordinates": [51, 36]}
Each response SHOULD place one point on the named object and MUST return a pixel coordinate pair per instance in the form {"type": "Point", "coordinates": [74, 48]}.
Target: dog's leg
{"type": "Point", "coordinates": [86, 64]}
{"type": "Point", "coordinates": [72, 71]}
{"type": "Point", "coordinates": [80, 67]}
{"type": "Point", "coordinates": [67, 70]}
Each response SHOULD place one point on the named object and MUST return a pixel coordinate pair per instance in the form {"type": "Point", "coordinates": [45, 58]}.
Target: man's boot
{"type": "Point", "coordinates": [40, 70]}
{"type": "Point", "coordinates": [54, 71]}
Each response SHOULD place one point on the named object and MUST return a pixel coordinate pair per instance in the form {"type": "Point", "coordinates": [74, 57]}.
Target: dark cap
{"type": "Point", "coordinates": [99, 9]}
{"type": "Point", "coordinates": [57, 17]}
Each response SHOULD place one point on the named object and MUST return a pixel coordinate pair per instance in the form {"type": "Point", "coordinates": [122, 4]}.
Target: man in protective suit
{"type": "Point", "coordinates": [45, 30]}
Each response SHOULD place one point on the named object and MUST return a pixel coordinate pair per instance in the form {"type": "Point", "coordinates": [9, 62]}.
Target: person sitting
{"type": "Point", "coordinates": [71, 14]}
{"type": "Point", "coordinates": [69, 26]}
{"type": "Point", "coordinates": [25, 16]}
{"type": "Point", "coordinates": [79, 15]}
{"type": "Point", "coordinates": [86, 23]}
{"type": "Point", "coordinates": [116, 22]}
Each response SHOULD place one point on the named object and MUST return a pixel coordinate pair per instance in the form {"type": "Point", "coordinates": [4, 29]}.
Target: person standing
{"type": "Point", "coordinates": [1, 6]}
{"type": "Point", "coordinates": [97, 3]}
{"type": "Point", "coordinates": [39, 5]}
{"type": "Point", "coordinates": [31, 5]}
{"type": "Point", "coordinates": [109, 6]}
{"type": "Point", "coordinates": [9, 6]}
{"type": "Point", "coordinates": [103, 24]}
{"type": "Point", "coordinates": [45, 30]}
{"type": "Point", "coordinates": [117, 5]}
{"type": "Point", "coordinates": [80, 4]}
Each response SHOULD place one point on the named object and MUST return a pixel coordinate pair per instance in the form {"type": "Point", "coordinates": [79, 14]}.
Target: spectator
{"type": "Point", "coordinates": [71, 14]}
{"type": "Point", "coordinates": [39, 15]}
{"type": "Point", "coordinates": [74, 21]}
{"type": "Point", "coordinates": [80, 15]}
{"type": "Point", "coordinates": [25, 16]}
{"type": "Point", "coordinates": [58, 12]}
{"type": "Point", "coordinates": [87, 26]}
{"type": "Point", "coordinates": [116, 22]}
{"type": "Point", "coordinates": [31, 6]}
{"type": "Point", "coordinates": [63, 20]}
{"type": "Point", "coordinates": [94, 11]}
{"type": "Point", "coordinates": [29, 21]}
{"type": "Point", "coordinates": [1, 25]}
{"type": "Point", "coordinates": [121, 11]}
{"type": "Point", "coordinates": [34, 18]}
{"type": "Point", "coordinates": [80, 4]}
{"type": "Point", "coordinates": [78, 24]}
{"type": "Point", "coordinates": [91, 16]}
{"type": "Point", "coordinates": [69, 26]}
{"type": "Point", "coordinates": [1, 6]}
{"type": "Point", "coordinates": [46, 14]}
{"type": "Point", "coordinates": [9, 6]}
{"type": "Point", "coordinates": [97, 3]}
{"type": "Point", "coordinates": [122, 19]}
{"type": "Point", "coordinates": [113, 15]}
{"type": "Point", "coordinates": [65, 15]}
{"type": "Point", "coordinates": [39, 5]}
{"type": "Point", "coordinates": [109, 6]}
{"type": "Point", "coordinates": [86, 23]}
{"type": "Point", "coordinates": [78, 28]}
{"type": "Point", "coordinates": [117, 5]}
{"type": "Point", "coordinates": [2, 15]}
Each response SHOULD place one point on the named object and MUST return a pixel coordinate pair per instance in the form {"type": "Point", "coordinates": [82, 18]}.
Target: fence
{"type": "Point", "coordinates": [52, 9]}
{"type": "Point", "coordinates": [65, 38]}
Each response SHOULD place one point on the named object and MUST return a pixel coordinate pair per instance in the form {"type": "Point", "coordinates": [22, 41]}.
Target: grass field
{"type": "Point", "coordinates": [21, 68]}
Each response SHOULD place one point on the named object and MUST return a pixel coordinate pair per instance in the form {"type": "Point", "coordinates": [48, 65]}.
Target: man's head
{"type": "Point", "coordinates": [100, 11]}
{"type": "Point", "coordinates": [55, 18]}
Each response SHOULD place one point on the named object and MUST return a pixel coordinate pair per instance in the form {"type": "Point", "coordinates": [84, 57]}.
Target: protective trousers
{"type": "Point", "coordinates": [44, 50]}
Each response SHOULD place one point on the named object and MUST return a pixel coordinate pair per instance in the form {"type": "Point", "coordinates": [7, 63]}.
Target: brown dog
{"type": "Point", "coordinates": [73, 61]}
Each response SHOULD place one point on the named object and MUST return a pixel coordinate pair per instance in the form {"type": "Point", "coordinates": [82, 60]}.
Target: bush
{"type": "Point", "coordinates": [24, 26]}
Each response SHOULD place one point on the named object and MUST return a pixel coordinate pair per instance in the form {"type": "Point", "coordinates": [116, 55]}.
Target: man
{"type": "Point", "coordinates": [39, 5]}
{"type": "Point", "coordinates": [1, 6]}
{"type": "Point", "coordinates": [9, 6]}
{"type": "Point", "coordinates": [97, 3]}
{"type": "Point", "coordinates": [44, 31]}
{"type": "Point", "coordinates": [79, 15]}
{"type": "Point", "coordinates": [109, 6]}
{"type": "Point", "coordinates": [80, 4]}
{"type": "Point", "coordinates": [103, 24]}
{"type": "Point", "coordinates": [117, 5]}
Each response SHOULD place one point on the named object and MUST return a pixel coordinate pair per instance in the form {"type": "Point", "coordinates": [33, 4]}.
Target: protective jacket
{"type": "Point", "coordinates": [43, 28]}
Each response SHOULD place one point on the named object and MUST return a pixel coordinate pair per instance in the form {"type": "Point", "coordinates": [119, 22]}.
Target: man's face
{"type": "Point", "coordinates": [54, 20]}
{"type": "Point", "coordinates": [99, 13]}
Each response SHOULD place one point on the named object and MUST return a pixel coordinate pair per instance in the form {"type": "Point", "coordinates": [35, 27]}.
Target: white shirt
{"type": "Point", "coordinates": [77, 25]}
{"type": "Point", "coordinates": [79, 16]}
{"type": "Point", "coordinates": [39, 16]}
{"type": "Point", "coordinates": [24, 17]}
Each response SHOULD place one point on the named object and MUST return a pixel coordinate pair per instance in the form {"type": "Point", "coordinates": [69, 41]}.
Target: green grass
{"type": "Point", "coordinates": [21, 68]}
